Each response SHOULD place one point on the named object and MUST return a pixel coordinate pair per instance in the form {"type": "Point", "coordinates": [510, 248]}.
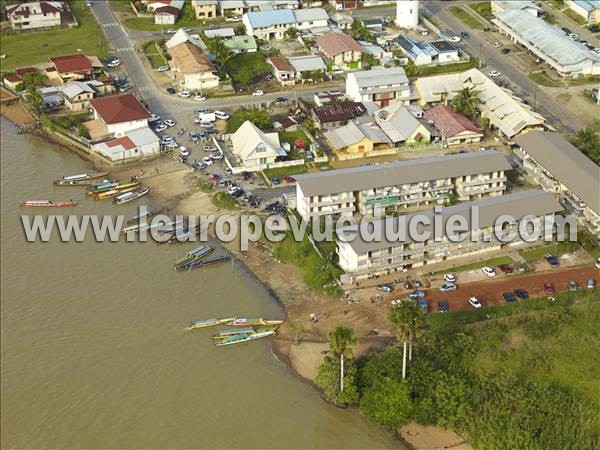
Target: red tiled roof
{"type": "Point", "coordinates": [47, 8]}
{"type": "Point", "coordinates": [72, 63]}
{"type": "Point", "coordinates": [13, 78]}
{"type": "Point", "coordinates": [449, 122]}
{"type": "Point", "coordinates": [334, 44]}
{"type": "Point", "coordinates": [20, 71]}
{"type": "Point", "coordinates": [171, 10]}
{"type": "Point", "coordinates": [119, 108]}
{"type": "Point", "coordinates": [281, 63]}
{"type": "Point", "coordinates": [124, 141]}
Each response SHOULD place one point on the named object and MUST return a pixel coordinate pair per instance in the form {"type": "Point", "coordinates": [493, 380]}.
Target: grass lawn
{"type": "Point", "coordinates": [594, 79]}
{"type": "Point", "coordinates": [575, 17]}
{"type": "Point", "coordinates": [466, 18]}
{"type": "Point", "coordinates": [290, 137]}
{"type": "Point", "coordinates": [154, 56]}
{"type": "Point", "coordinates": [186, 19]}
{"type": "Point", "coordinates": [550, 18]}
{"type": "Point", "coordinates": [245, 68]}
{"type": "Point", "coordinates": [33, 47]}
{"type": "Point", "coordinates": [224, 201]}
{"type": "Point", "coordinates": [543, 80]}
{"type": "Point", "coordinates": [448, 68]}
{"type": "Point", "coordinates": [478, 265]}
{"type": "Point", "coordinates": [482, 8]}
{"type": "Point", "coordinates": [557, 249]}
{"type": "Point", "coordinates": [283, 171]}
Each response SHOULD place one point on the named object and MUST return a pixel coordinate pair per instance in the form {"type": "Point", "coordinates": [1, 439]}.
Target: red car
{"type": "Point", "coordinates": [289, 179]}
{"type": "Point", "coordinates": [215, 177]}
{"type": "Point", "coordinates": [505, 268]}
{"type": "Point", "coordinates": [548, 289]}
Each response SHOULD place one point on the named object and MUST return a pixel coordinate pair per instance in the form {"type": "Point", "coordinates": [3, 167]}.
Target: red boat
{"type": "Point", "coordinates": [44, 203]}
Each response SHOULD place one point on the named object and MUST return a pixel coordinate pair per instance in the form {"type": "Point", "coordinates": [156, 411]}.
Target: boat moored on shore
{"type": "Point", "coordinates": [243, 337]}
{"type": "Point", "coordinates": [208, 323]}
{"type": "Point", "coordinates": [131, 196]}
{"type": "Point", "coordinates": [45, 203]}
{"type": "Point", "coordinates": [79, 180]}
{"type": "Point", "coordinates": [255, 321]}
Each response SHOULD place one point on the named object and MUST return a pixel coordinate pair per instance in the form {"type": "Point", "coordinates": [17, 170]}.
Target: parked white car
{"type": "Point", "coordinates": [208, 148]}
{"type": "Point", "coordinates": [163, 69]}
{"type": "Point", "coordinates": [494, 73]}
{"type": "Point", "coordinates": [497, 45]}
{"type": "Point", "coordinates": [160, 128]}
{"type": "Point", "coordinates": [448, 287]}
{"type": "Point", "coordinates": [154, 118]}
{"type": "Point", "coordinates": [450, 278]}
{"type": "Point", "coordinates": [169, 122]}
{"type": "Point", "coordinates": [488, 271]}
{"type": "Point", "coordinates": [113, 63]}
{"type": "Point", "coordinates": [454, 39]}
{"type": "Point", "coordinates": [474, 302]}
{"type": "Point", "coordinates": [199, 98]}
{"type": "Point", "coordinates": [165, 139]}
{"type": "Point", "coordinates": [207, 160]}
{"type": "Point", "coordinates": [185, 94]}
{"type": "Point", "coordinates": [216, 156]}
{"type": "Point", "coordinates": [221, 115]}
{"type": "Point", "coordinates": [184, 151]}
{"type": "Point", "coordinates": [171, 145]}
{"type": "Point", "coordinates": [259, 92]}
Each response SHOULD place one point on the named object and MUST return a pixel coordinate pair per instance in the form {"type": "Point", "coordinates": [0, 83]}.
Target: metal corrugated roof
{"type": "Point", "coordinates": [533, 202]}
{"type": "Point", "coordinates": [566, 163]}
{"type": "Point", "coordinates": [310, 14]}
{"type": "Point", "coordinates": [379, 77]}
{"type": "Point", "coordinates": [399, 172]}
{"type": "Point", "coordinates": [265, 19]}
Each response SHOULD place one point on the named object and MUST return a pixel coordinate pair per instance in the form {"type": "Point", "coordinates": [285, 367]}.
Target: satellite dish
{"type": "Point", "coordinates": [383, 114]}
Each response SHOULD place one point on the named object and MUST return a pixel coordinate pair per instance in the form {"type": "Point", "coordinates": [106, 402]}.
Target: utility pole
{"type": "Point", "coordinates": [535, 88]}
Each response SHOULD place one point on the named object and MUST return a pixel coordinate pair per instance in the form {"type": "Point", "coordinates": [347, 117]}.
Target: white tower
{"type": "Point", "coordinates": [407, 14]}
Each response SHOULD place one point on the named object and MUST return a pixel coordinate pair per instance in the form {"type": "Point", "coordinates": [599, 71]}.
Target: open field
{"type": "Point", "coordinates": [477, 265]}
{"type": "Point", "coordinates": [35, 47]}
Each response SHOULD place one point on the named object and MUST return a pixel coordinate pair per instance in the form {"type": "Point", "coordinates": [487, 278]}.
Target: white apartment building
{"type": "Point", "coordinates": [560, 168]}
{"type": "Point", "coordinates": [359, 258]}
{"type": "Point", "coordinates": [401, 185]}
{"type": "Point", "coordinates": [382, 86]}
{"type": "Point", "coordinates": [272, 24]}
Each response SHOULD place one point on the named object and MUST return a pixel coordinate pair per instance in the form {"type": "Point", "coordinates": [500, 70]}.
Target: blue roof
{"type": "Point", "coordinates": [264, 19]}
{"type": "Point", "coordinates": [588, 5]}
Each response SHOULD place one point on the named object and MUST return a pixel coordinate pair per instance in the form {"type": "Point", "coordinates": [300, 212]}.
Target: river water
{"type": "Point", "coordinates": [94, 348]}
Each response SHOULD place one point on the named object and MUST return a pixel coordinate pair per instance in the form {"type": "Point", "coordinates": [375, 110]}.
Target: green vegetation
{"type": "Point", "coordinates": [431, 20]}
{"type": "Point", "coordinates": [575, 17]}
{"type": "Point", "coordinates": [216, 46]}
{"type": "Point", "coordinates": [24, 48]}
{"type": "Point", "coordinates": [224, 201]}
{"type": "Point", "coordinates": [154, 54]}
{"type": "Point", "coordinates": [290, 137]}
{"type": "Point", "coordinates": [477, 265]}
{"type": "Point", "coordinates": [70, 123]}
{"type": "Point", "coordinates": [205, 185]}
{"type": "Point", "coordinates": [245, 69]}
{"type": "Point", "coordinates": [283, 171]}
{"type": "Point", "coordinates": [512, 376]}
{"type": "Point", "coordinates": [588, 141]}
{"type": "Point", "coordinates": [318, 273]}
{"type": "Point", "coordinates": [257, 116]}
{"type": "Point", "coordinates": [448, 68]}
{"type": "Point", "coordinates": [556, 249]}
{"type": "Point", "coordinates": [593, 79]}
{"type": "Point", "coordinates": [466, 18]}
{"type": "Point", "coordinates": [556, 4]}
{"type": "Point", "coordinates": [542, 79]}
{"type": "Point", "coordinates": [360, 31]}
{"type": "Point", "coordinates": [484, 9]}
{"type": "Point", "coordinates": [466, 102]}
{"type": "Point", "coordinates": [550, 18]}
{"type": "Point", "coordinates": [186, 19]}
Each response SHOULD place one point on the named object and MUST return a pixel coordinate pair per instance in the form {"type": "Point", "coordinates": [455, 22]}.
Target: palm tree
{"type": "Point", "coordinates": [407, 317]}
{"type": "Point", "coordinates": [219, 50]}
{"type": "Point", "coordinates": [291, 33]}
{"type": "Point", "coordinates": [340, 341]}
{"type": "Point", "coordinates": [411, 68]}
{"type": "Point", "coordinates": [35, 100]}
{"type": "Point", "coordinates": [466, 102]}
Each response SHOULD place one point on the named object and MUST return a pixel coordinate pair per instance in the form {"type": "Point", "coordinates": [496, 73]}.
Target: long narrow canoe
{"type": "Point", "coordinates": [239, 338]}
{"type": "Point", "coordinates": [131, 196]}
{"type": "Point", "coordinates": [112, 193]}
{"type": "Point", "coordinates": [202, 263]}
{"type": "Point", "coordinates": [119, 186]}
{"type": "Point", "coordinates": [138, 217]}
{"type": "Point", "coordinates": [255, 321]}
{"type": "Point", "coordinates": [82, 179]}
{"type": "Point", "coordinates": [233, 331]}
{"type": "Point", "coordinates": [194, 254]}
{"type": "Point", "coordinates": [45, 203]}
{"type": "Point", "coordinates": [208, 323]}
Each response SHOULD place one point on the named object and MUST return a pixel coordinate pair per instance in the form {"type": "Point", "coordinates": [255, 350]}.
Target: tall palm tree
{"type": "Point", "coordinates": [417, 329]}
{"type": "Point", "coordinates": [341, 341]}
{"type": "Point", "coordinates": [219, 50]}
{"type": "Point", "coordinates": [466, 102]}
{"type": "Point", "coordinates": [411, 68]}
{"type": "Point", "coordinates": [407, 317]}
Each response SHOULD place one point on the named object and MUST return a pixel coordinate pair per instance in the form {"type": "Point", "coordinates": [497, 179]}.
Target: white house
{"type": "Point", "coordinates": [272, 24]}
{"type": "Point", "coordinates": [25, 16]}
{"type": "Point", "coordinates": [588, 9]}
{"type": "Point", "coordinates": [254, 148]}
{"type": "Point", "coordinates": [309, 18]}
{"type": "Point", "coordinates": [120, 113]}
{"type": "Point", "coordinates": [381, 86]}
{"type": "Point", "coordinates": [133, 144]}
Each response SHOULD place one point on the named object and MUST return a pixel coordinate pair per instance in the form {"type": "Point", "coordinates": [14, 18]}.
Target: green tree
{"type": "Point", "coordinates": [411, 68]}
{"type": "Point", "coordinates": [466, 102]}
{"type": "Point", "coordinates": [310, 125]}
{"type": "Point", "coordinates": [291, 34]}
{"type": "Point", "coordinates": [33, 80]}
{"type": "Point", "coordinates": [588, 141]}
{"type": "Point", "coordinates": [216, 46]}
{"type": "Point", "coordinates": [328, 379]}
{"type": "Point", "coordinates": [257, 116]}
{"type": "Point", "coordinates": [407, 317]}
{"type": "Point", "coordinates": [388, 402]}
{"type": "Point", "coordinates": [240, 30]}
{"type": "Point", "coordinates": [35, 101]}
{"type": "Point", "coordinates": [367, 61]}
{"type": "Point", "coordinates": [387, 364]}
{"type": "Point", "coordinates": [360, 31]}
{"type": "Point", "coordinates": [341, 341]}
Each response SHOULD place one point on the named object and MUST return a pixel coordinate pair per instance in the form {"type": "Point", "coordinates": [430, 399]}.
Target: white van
{"type": "Point", "coordinates": [206, 117]}
{"type": "Point", "coordinates": [221, 115]}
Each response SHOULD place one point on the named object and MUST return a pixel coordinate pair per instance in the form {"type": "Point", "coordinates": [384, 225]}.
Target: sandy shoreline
{"type": "Point", "coordinates": [301, 343]}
